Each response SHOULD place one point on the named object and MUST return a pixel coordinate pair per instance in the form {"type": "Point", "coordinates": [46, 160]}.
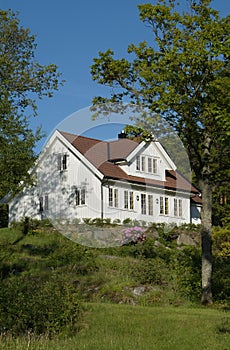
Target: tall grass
{"type": "Point", "coordinates": [125, 327]}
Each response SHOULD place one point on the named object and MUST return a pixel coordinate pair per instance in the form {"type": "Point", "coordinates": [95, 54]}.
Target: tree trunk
{"type": "Point", "coordinates": [206, 239]}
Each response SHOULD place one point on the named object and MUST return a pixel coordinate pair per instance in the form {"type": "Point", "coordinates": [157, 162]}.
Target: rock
{"type": "Point", "coordinates": [185, 239]}
{"type": "Point", "coordinates": [139, 290]}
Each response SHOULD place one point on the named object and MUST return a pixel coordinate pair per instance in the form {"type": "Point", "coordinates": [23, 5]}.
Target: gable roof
{"type": "Point", "coordinates": [103, 154]}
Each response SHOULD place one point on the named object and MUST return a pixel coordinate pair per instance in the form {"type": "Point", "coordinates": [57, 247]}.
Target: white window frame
{"type": "Point", "coordinates": [138, 163]}
{"type": "Point", "coordinates": [43, 203]}
{"type": "Point", "coordinates": [164, 205]}
{"type": "Point", "coordinates": [178, 207]}
{"type": "Point", "coordinates": [128, 200]}
{"type": "Point", "coordinates": [80, 196]}
{"type": "Point", "coordinates": [147, 164]}
{"type": "Point", "coordinates": [62, 161]}
{"type": "Point", "coordinates": [143, 164]}
{"type": "Point", "coordinates": [143, 204]}
{"type": "Point", "coordinates": [113, 197]}
{"type": "Point", "coordinates": [150, 204]}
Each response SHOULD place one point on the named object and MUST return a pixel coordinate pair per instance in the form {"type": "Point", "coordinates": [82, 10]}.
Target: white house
{"type": "Point", "coordinates": [80, 177]}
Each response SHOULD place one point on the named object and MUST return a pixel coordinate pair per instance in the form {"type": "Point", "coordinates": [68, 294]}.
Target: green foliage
{"type": "Point", "coordinates": [3, 215]}
{"type": "Point", "coordinates": [221, 281]}
{"type": "Point", "coordinates": [221, 241]}
{"type": "Point", "coordinates": [149, 271]}
{"type": "Point", "coordinates": [38, 305]}
{"type": "Point", "coordinates": [22, 79]}
{"type": "Point", "coordinates": [186, 267]}
{"type": "Point", "coordinates": [184, 77]}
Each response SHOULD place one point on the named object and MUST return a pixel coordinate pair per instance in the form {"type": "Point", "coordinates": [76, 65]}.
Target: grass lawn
{"type": "Point", "coordinates": [125, 327]}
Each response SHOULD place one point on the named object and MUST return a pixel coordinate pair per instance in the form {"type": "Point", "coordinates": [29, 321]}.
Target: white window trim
{"type": "Point", "coordinates": [128, 200]}
{"type": "Point", "coordinates": [178, 207]}
{"type": "Point", "coordinates": [113, 197]}
{"type": "Point", "coordinates": [164, 204]}
{"type": "Point", "coordinates": [80, 197]}
{"type": "Point", "coordinates": [147, 164]}
{"type": "Point", "coordinates": [62, 161]}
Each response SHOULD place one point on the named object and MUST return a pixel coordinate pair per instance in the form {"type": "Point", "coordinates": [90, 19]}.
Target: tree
{"type": "Point", "coordinates": [21, 79]}
{"type": "Point", "coordinates": [184, 77]}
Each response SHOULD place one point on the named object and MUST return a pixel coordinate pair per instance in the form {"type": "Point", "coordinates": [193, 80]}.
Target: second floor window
{"type": "Point", "coordinates": [62, 162]}
{"type": "Point", "coordinates": [146, 164]}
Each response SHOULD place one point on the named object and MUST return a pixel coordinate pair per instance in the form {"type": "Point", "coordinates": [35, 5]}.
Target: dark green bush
{"type": "Point", "coordinates": [185, 267]}
{"type": "Point", "coordinates": [221, 280]}
{"type": "Point", "coordinates": [38, 305]}
{"type": "Point", "coordinates": [149, 271]}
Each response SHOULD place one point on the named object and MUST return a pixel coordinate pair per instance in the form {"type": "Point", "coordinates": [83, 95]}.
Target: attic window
{"type": "Point", "coordinates": [146, 164]}
{"type": "Point", "coordinates": [62, 162]}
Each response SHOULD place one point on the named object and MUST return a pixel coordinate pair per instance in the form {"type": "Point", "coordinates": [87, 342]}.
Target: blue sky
{"type": "Point", "coordinates": [70, 34]}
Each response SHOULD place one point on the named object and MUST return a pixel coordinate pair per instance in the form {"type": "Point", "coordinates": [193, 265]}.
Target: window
{"type": "Point", "coordinates": [143, 203]}
{"type": "Point", "coordinates": [177, 207]}
{"type": "Point", "coordinates": [80, 196]}
{"type": "Point", "coordinates": [180, 207]}
{"type": "Point", "coordinates": [152, 165]}
{"type": "Point", "coordinates": [113, 197]}
{"type": "Point", "coordinates": [129, 200]}
{"type": "Point", "coordinates": [46, 206]}
{"type": "Point", "coordinates": [143, 163]}
{"type": "Point", "coordinates": [62, 161]}
{"type": "Point", "coordinates": [43, 203]}
{"type": "Point", "coordinates": [146, 164]}
{"type": "Point", "coordinates": [138, 166]}
{"type": "Point", "coordinates": [164, 205]}
{"type": "Point", "coordinates": [150, 204]}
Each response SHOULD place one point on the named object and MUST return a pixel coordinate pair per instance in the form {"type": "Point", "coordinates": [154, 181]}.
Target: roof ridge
{"type": "Point", "coordinates": [85, 137]}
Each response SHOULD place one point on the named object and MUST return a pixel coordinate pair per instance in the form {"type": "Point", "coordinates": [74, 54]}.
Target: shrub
{"type": "Point", "coordinates": [221, 241]}
{"type": "Point", "coordinates": [133, 235]}
{"type": "Point", "coordinates": [186, 269]}
{"type": "Point", "coordinates": [147, 271]}
{"type": "Point", "coordinates": [38, 305]}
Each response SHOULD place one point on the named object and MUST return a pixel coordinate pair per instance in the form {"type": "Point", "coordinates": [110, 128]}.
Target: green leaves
{"type": "Point", "coordinates": [22, 79]}
{"type": "Point", "coordinates": [183, 75]}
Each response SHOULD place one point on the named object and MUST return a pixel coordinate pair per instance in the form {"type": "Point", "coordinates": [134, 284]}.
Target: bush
{"type": "Point", "coordinates": [221, 241]}
{"type": "Point", "coordinates": [186, 269]}
{"type": "Point", "coordinates": [38, 305]}
{"type": "Point", "coordinates": [147, 271]}
{"type": "Point", "coordinates": [220, 279]}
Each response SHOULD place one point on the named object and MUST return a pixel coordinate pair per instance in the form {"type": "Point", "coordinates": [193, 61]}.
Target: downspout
{"type": "Point", "coordinates": [102, 199]}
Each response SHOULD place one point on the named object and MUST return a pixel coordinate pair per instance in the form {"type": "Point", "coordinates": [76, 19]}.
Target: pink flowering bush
{"type": "Point", "coordinates": [133, 235]}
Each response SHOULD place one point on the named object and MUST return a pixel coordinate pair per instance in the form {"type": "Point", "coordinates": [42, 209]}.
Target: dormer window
{"type": "Point", "coordinates": [62, 162]}
{"type": "Point", "coordinates": [152, 165]}
{"type": "Point", "coordinates": [138, 164]}
{"type": "Point", "coordinates": [146, 164]}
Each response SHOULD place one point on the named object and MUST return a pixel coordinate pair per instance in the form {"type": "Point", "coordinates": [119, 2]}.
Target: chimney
{"type": "Point", "coordinates": [122, 135]}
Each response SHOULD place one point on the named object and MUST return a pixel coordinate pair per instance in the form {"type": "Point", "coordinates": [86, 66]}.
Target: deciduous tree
{"type": "Point", "coordinates": [22, 80]}
{"type": "Point", "coordinates": [183, 76]}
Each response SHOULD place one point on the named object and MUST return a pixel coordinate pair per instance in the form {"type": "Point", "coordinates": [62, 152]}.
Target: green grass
{"type": "Point", "coordinates": [105, 280]}
{"type": "Point", "coordinates": [125, 327]}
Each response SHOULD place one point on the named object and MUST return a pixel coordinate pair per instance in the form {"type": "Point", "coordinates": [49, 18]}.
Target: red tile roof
{"type": "Point", "coordinates": [100, 153]}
